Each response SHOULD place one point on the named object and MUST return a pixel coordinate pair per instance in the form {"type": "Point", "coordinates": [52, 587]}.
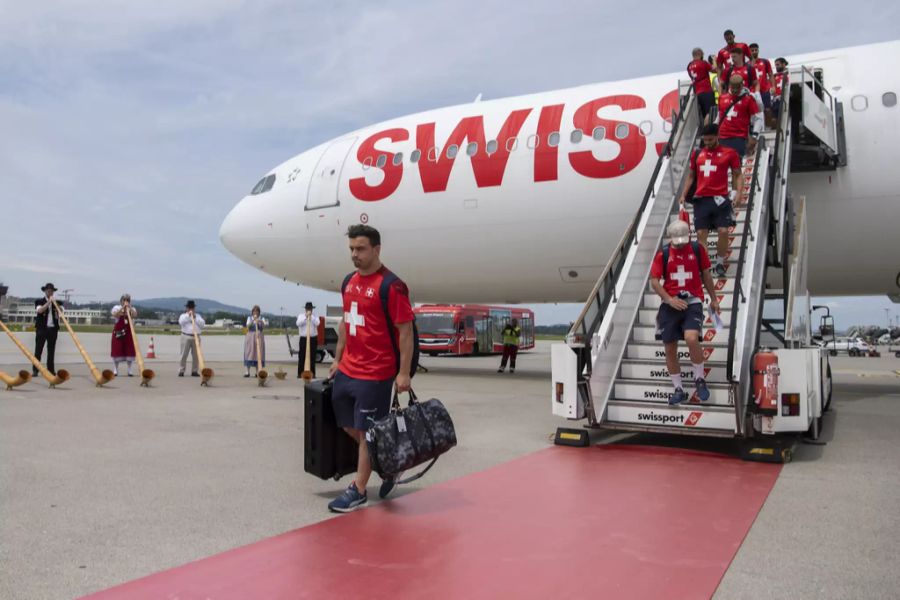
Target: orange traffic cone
{"type": "Point", "coordinates": [151, 352]}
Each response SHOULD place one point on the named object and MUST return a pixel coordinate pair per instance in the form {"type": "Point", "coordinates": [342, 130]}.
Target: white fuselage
{"type": "Point", "coordinates": [538, 223]}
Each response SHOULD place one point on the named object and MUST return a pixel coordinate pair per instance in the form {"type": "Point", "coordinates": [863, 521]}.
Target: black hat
{"type": "Point", "coordinates": [49, 286]}
{"type": "Point", "coordinates": [309, 306]}
{"type": "Point", "coordinates": [190, 304]}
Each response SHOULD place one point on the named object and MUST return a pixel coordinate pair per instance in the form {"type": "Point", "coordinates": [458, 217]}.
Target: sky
{"type": "Point", "coordinates": [128, 130]}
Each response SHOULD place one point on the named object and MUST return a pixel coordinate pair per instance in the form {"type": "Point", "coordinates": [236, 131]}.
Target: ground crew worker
{"type": "Point", "coordinates": [710, 167]}
{"type": "Point", "coordinates": [680, 267]}
{"type": "Point", "coordinates": [511, 334]}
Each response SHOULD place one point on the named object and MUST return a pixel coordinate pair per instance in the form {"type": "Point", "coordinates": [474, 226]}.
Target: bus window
{"type": "Point", "coordinates": [435, 323]}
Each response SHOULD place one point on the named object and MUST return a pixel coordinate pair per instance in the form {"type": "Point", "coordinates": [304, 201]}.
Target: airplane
{"type": "Point", "coordinates": [523, 199]}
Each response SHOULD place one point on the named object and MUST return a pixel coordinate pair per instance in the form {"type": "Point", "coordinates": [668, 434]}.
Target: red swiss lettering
{"type": "Point", "coordinates": [359, 187]}
{"type": "Point", "coordinates": [488, 169]}
{"type": "Point", "coordinates": [631, 147]}
{"type": "Point", "coordinates": [668, 106]}
{"type": "Point", "coordinates": [546, 163]}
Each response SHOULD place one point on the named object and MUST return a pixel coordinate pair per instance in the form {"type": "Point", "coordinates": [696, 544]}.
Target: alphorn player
{"type": "Point", "coordinates": [122, 345]}
{"type": "Point", "coordinates": [46, 328]}
{"type": "Point", "coordinates": [308, 323]}
{"type": "Point", "coordinates": [256, 326]}
{"type": "Point", "coordinates": [187, 321]}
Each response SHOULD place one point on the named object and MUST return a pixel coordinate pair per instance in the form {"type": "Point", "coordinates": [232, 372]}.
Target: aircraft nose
{"type": "Point", "coordinates": [234, 234]}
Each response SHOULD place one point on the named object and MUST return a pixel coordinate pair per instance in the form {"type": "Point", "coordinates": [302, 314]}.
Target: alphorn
{"type": "Point", "coordinates": [146, 374]}
{"type": "Point", "coordinates": [100, 378]}
{"type": "Point", "coordinates": [307, 365]}
{"type": "Point", "coordinates": [261, 374]}
{"type": "Point", "coordinates": [54, 380]}
{"type": "Point", "coordinates": [22, 378]}
{"type": "Point", "coordinates": [205, 374]}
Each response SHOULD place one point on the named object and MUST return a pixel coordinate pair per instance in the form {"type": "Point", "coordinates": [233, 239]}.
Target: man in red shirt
{"type": "Point", "coordinates": [710, 168]}
{"type": "Point", "coordinates": [764, 75]}
{"type": "Point", "coordinates": [779, 80]}
{"type": "Point", "coordinates": [739, 122]}
{"type": "Point", "coordinates": [723, 58]}
{"type": "Point", "coordinates": [675, 276]}
{"type": "Point", "coordinates": [740, 67]}
{"type": "Point", "coordinates": [698, 70]}
{"type": "Point", "coordinates": [366, 366]}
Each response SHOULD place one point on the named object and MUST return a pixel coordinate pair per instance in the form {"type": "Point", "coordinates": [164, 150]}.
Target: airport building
{"type": "Point", "coordinates": [16, 310]}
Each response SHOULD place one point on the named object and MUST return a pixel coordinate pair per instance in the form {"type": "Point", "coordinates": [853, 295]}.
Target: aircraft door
{"type": "Point", "coordinates": [323, 185]}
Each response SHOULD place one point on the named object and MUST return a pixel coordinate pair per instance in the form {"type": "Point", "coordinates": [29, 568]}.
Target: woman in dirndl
{"type": "Point", "coordinates": [122, 347]}
{"type": "Point", "coordinates": [256, 326]}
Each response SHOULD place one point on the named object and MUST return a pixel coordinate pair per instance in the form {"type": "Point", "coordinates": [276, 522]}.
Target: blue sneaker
{"type": "Point", "coordinates": [678, 397]}
{"type": "Point", "coordinates": [702, 390]}
{"type": "Point", "coordinates": [349, 501]}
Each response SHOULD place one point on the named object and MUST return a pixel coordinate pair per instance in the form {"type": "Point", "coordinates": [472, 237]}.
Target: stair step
{"type": "Point", "coordinates": [645, 333]}
{"type": "Point", "coordinates": [655, 370]}
{"type": "Point", "coordinates": [642, 416]}
{"type": "Point", "coordinates": [654, 350]}
{"type": "Point", "coordinates": [652, 301]}
{"type": "Point", "coordinates": [651, 391]}
{"type": "Point", "coordinates": [647, 316]}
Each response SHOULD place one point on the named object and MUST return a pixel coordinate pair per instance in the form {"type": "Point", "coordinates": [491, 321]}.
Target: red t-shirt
{"type": "Point", "coordinates": [735, 115]}
{"type": "Point", "coordinates": [745, 71]}
{"type": "Point", "coordinates": [684, 272]}
{"type": "Point", "coordinates": [698, 70]}
{"type": "Point", "coordinates": [723, 58]}
{"type": "Point", "coordinates": [763, 69]}
{"type": "Point", "coordinates": [368, 353]}
{"type": "Point", "coordinates": [780, 78]}
{"type": "Point", "coordinates": [712, 169]}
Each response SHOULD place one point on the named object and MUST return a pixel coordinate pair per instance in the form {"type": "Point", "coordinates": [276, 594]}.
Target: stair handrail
{"type": "Point", "coordinates": [606, 281]}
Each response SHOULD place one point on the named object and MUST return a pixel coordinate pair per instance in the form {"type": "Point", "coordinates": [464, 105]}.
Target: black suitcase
{"type": "Point", "coordinates": [328, 452]}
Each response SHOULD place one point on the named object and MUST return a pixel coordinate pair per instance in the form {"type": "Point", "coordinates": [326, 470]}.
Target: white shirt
{"type": "Point", "coordinates": [265, 322]}
{"type": "Point", "coordinates": [118, 309]}
{"type": "Point", "coordinates": [185, 322]}
{"type": "Point", "coordinates": [315, 320]}
{"type": "Point", "coordinates": [49, 305]}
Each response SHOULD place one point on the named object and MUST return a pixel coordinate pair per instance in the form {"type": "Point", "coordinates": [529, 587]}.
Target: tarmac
{"type": "Point", "coordinates": [104, 485]}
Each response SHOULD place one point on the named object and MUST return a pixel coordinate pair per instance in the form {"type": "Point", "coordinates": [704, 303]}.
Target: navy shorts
{"type": "Point", "coordinates": [739, 145]}
{"type": "Point", "coordinates": [358, 403]}
{"type": "Point", "coordinates": [671, 324]}
{"type": "Point", "coordinates": [776, 107]}
{"type": "Point", "coordinates": [706, 100]}
{"type": "Point", "coordinates": [709, 215]}
{"type": "Point", "coordinates": [767, 99]}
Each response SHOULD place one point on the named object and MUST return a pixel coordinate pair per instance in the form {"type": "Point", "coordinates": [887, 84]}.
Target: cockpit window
{"type": "Point", "coordinates": [264, 185]}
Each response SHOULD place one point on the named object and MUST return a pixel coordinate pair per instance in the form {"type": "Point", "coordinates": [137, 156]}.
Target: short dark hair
{"type": "Point", "coordinates": [754, 45]}
{"type": "Point", "coordinates": [781, 59]}
{"type": "Point", "coordinates": [359, 230]}
{"type": "Point", "coordinates": [728, 32]}
{"type": "Point", "coordinates": [711, 129]}
{"type": "Point", "coordinates": [736, 50]}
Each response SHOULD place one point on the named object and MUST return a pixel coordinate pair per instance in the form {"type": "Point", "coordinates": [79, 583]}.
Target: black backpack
{"type": "Point", "coordinates": [665, 258]}
{"type": "Point", "coordinates": [751, 76]}
{"type": "Point", "coordinates": [383, 293]}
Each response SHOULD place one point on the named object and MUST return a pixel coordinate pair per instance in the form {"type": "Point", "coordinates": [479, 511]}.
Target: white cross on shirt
{"type": "Point", "coordinates": [732, 113]}
{"type": "Point", "coordinates": [681, 275]}
{"type": "Point", "coordinates": [708, 168]}
{"type": "Point", "coordinates": [354, 318]}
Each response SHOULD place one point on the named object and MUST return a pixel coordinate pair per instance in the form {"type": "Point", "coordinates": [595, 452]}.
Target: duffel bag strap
{"type": "Point", "coordinates": [421, 473]}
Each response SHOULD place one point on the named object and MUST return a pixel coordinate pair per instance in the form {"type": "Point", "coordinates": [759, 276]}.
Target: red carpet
{"type": "Point", "coordinates": [619, 522]}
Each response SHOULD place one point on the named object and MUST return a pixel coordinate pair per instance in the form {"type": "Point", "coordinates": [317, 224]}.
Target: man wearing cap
{"type": "Point", "coordinates": [710, 168]}
{"type": "Point", "coordinates": [46, 328]}
{"type": "Point", "coordinates": [675, 276]}
{"type": "Point", "coordinates": [188, 320]}
{"type": "Point", "coordinates": [308, 322]}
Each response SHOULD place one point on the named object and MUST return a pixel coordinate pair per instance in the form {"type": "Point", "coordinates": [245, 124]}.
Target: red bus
{"type": "Point", "coordinates": [469, 328]}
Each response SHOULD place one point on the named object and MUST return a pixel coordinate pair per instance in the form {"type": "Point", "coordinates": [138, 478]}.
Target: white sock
{"type": "Point", "coordinates": [698, 371]}
{"type": "Point", "coordinates": [129, 367]}
{"type": "Point", "coordinates": [676, 380]}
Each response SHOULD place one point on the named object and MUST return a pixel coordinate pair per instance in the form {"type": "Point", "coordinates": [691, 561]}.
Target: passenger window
{"type": "Point", "coordinates": [491, 146]}
{"type": "Point", "coordinates": [415, 155]}
{"type": "Point", "coordinates": [532, 142]}
{"type": "Point", "coordinates": [452, 151]}
{"type": "Point", "coordinates": [859, 103]}
{"type": "Point", "coordinates": [889, 99]}
{"type": "Point", "coordinates": [382, 160]}
{"type": "Point", "coordinates": [432, 154]}
{"type": "Point", "coordinates": [646, 127]}
{"type": "Point", "coordinates": [472, 149]}
{"type": "Point", "coordinates": [367, 164]}
{"type": "Point", "coordinates": [621, 131]}
{"type": "Point", "coordinates": [398, 158]}
{"type": "Point", "coordinates": [512, 144]}
{"type": "Point", "coordinates": [667, 126]}
{"type": "Point", "coordinates": [576, 136]}
{"type": "Point", "coordinates": [599, 133]}
{"type": "Point", "coordinates": [553, 139]}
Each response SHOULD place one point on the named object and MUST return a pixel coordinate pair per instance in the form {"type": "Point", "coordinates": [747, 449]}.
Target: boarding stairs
{"type": "Point", "coordinates": [612, 370]}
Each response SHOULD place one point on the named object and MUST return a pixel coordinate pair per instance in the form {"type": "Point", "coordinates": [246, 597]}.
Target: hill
{"type": "Point", "coordinates": [176, 305]}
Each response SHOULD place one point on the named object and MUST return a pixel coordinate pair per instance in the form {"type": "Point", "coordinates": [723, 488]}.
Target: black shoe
{"type": "Point", "coordinates": [246, 374]}
{"type": "Point", "coordinates": [34, 372]}
{"type": "Point", "coordinates": [500, 370]}
{"type": "Point", "coordinates": [511, 371]}
{"type": "Point", "coordinates": [130, 375]}
{"type": "Point", "coordinates": [181, 373]}
{"type": "Point", "coordinates": [195, 374]}
{"type": "Point", "coordinates": [387, 486]}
